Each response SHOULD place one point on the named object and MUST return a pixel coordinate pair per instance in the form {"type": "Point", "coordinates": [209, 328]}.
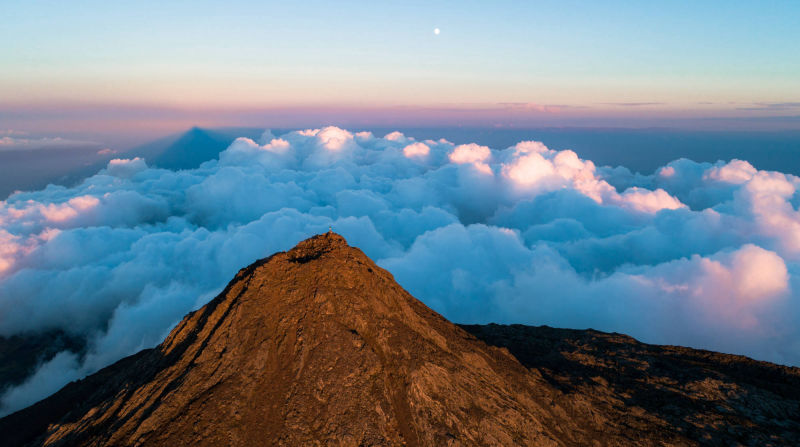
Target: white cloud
{"type": "Point", "coordinates": [701, 254]}
{"type": "Point", "coordinates": [417, 150]}
{"type": "Point", "coordinates": [648, 201]}
{"type": "Point", "coordinates": [333, 138]}
{"type": "Point", "coordinates": [125, 168]}
{"type": "Point", "coordinates": [736, 172]}
{"type": "Point", "coordinates": [396, 136]}
{"type": "Point", "coordinates": [474, 155]}
{"type": "Point", "coordinates": [470, 153]}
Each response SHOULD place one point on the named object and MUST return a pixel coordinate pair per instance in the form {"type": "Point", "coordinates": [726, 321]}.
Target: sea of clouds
{"type": "Point", "coordinates": [697, 254]}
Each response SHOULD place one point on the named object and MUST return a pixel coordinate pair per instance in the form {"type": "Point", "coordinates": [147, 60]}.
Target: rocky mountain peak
{"type": "Point", "coordinates": [320, 346]}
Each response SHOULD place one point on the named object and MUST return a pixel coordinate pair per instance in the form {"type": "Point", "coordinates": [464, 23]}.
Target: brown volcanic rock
{"type": "Point", "coordinates": [706, 397]}
{"type": "Point", "coordinates": [314, 346]}
{"type": "Point", "coordinates": [319, 346]}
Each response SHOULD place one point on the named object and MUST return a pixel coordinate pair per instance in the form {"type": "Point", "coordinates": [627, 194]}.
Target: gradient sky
{"type": "Point", "coordinates": [498, 59]}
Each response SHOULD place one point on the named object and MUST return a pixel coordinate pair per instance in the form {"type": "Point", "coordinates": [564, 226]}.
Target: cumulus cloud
{"type": "Point", "coordinates": [474, 155]}
{"type": "Point", "coordinates": [736, 172]}
{"type": "Point", "coordinates": [470, 153]}
{"type": "Point", "coordinates": [417, 150]}
{"type": "Point", "coordinates": [700, 254]}
{"type": "Point", "coordinates": [125, 168]}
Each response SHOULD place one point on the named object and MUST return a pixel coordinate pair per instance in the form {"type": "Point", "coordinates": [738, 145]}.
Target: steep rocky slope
{"type": "Point", "coordinates": [320, 346]}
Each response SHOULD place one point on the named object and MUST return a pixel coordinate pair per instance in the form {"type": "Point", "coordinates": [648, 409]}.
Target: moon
{"type": "Point", "coordinates": [436, 31]}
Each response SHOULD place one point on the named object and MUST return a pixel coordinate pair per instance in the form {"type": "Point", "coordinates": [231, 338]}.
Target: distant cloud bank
{"type": "Point", "coordinates": [11, 140]}
{"type": "Point", "coordinates": [698, 254]}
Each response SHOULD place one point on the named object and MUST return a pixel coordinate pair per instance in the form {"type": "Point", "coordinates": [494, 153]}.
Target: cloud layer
{"type": "Point", "coordinates": [698, 254]}
{"type": "Point", "coordinates": [12, 140]}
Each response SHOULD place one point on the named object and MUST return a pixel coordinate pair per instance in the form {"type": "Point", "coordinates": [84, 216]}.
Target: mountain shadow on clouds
{"type": "Point", "coordinates": [26, 170]}
{"type": "Point", "coordinates": [189, 149]}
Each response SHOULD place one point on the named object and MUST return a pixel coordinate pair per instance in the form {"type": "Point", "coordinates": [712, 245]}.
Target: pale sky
{"type": "Point", "coordinates": [570, 58]}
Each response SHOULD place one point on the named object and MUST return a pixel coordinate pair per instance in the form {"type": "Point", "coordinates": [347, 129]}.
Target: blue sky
{"type": "Point", "coordinates": [577, 59]}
